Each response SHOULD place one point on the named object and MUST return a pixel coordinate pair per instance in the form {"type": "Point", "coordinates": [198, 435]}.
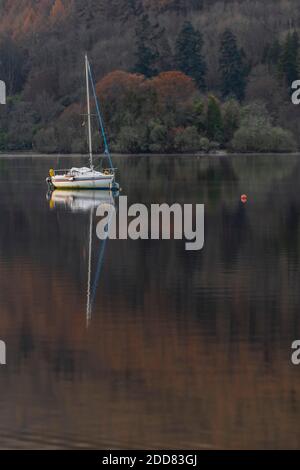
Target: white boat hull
{"type": "Point", "coordinates": [79, 183]}
{"type": "Point", "coordinates": [83, 178]}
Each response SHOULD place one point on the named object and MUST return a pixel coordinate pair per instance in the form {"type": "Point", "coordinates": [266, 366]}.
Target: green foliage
{"type": "Point", "coordinates": [3, 140]}
{"type": "Point", "coordinates": [266, 139]}
{"type": "Point", "coordinates": [255, 114]}
{"type": "Point", "coordinates": [131, 140]}
{"type": "Point", "coordinates": [45, 141]}
{"type": "Point", "coordinates": [198, 117]}
{"type": "Point", "coordinates": [20, 130]}
{"type": "Point", "coordinates": [158, 137]}
{"type": "Point", "coordinates": [187, 140]}
{"type": "Point", "coordinates": [188, 54]}
{"type": "Point", "coordinates": [257, 134]}
{"type": "Point", "coordinates": [231, 119]}
{"type": "Point", "coordinates": [282, 140]}
{"type": "Point", "coordinates": [214, 120]}
{"type": "Point", "coordinates": [232, 67]}
{"type": "Point", "coordinates": [204, 144]}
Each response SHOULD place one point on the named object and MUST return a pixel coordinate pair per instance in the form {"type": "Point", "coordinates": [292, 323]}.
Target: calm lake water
{"type": "Point", "coordinates": [180, 349]}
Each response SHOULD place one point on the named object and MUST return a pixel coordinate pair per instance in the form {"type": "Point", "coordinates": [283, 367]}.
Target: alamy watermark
{"type": "Point", "coordinates": [2, 353]}
{"type": "Point", "coordinates": [160, 222]}
{"type": "Point", "coordinates": [295, 357]}
{"type": "Point", "coordinates": [2, 92]}
{"type": "Point", "coordinates": [2, 343]}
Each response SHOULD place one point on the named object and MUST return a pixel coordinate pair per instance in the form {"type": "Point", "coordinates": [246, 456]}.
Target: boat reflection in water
{"type": "Point", "coordinates": [80, 201]}
{"type": "Point", "coordinates": [87, 201]}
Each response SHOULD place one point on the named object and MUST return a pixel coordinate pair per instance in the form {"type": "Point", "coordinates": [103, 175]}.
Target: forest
{"type": "Point", "coordinates": [171, 75]}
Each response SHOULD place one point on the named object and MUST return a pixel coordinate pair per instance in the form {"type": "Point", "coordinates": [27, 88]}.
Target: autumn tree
{"type": "Point", "coordinates": [123, 98]}
{"type": "Point", "coordinates": [42, 46]}
{"type": "Point", "coordinates": [188, 54]}
{"type": "Point", "coordinates": [116, 86]}
{"type": "Point", "coordinates": [175, 90]}
{"type": "Point", "coordinates": [141, 112]}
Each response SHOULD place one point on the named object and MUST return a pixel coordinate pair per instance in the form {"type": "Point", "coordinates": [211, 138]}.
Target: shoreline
{"type": "Point", "coordinates": [172, 155]}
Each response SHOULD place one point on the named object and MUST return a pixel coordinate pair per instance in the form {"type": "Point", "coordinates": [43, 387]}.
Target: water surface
{"type": "Point", "coordinates": [166, 349]}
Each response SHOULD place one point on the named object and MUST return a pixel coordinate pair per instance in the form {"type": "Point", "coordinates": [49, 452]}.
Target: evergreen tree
{"type": "Point", "coordinates": [272, 54]}
{"type": "Point", "coordinates": [146, 51]}
{"type": "Point", "coordinates": [188, 54]}
{"type": "Point", "coordinates": [214, 121]}
{"type": "Point", "coordinates": [289, 59]}
{"type": "Point", "coordinates": [232, 67]}
{"type": "Point", "coordinates": [164, 52]}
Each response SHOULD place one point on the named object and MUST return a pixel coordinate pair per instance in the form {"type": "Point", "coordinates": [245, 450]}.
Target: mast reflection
{"type": "Point", "coordinates": [78, 201]}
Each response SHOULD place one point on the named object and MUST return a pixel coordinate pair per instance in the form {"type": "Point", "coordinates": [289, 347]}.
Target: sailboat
{"type": "Point", "coordinates": [87, 177]}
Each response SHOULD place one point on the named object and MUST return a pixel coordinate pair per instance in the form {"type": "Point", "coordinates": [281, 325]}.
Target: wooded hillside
{"type": "Point", "coordinates": [181, 75]}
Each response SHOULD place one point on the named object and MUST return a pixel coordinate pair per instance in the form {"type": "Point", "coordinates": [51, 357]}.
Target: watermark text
{"type": "Point", "coordinates": [2, 353]}
{"type": "Point", "coordinates": [160, 222]}
{"type": "Point", "coordinates": [295, 357]}
{"type": "Point", "coordinates": [2, 92]}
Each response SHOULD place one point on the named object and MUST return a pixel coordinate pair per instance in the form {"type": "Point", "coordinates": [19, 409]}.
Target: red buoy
{"type": "Point", "coordinates": [244, 198]}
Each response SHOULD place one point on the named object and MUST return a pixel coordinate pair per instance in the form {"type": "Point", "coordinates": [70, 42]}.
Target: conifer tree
{"type": "Point", "coordinates": [289, 59]}
{"type": "Point", "coordinates": [188, 54]}
{"type": "Point", "coordinates": [232, 67]}
{"type": "Point", "coordinates": [146, 51]}
{"type": "Point", "coordinates": [272, 54]}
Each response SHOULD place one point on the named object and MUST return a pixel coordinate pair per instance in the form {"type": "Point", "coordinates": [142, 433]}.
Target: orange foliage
{"type": "Point", "coordinates": [118, 83]}
{"type": "Point", "coordinates": [30, 19]}
{"type": "Point", "coordinates": [23, 17]}
{"type": "Point", "coordinates": [58, 9]}
{"type": "Point", "coordinates": [174, 87]}
{"type": "Point", "coordinates": [170, 87]}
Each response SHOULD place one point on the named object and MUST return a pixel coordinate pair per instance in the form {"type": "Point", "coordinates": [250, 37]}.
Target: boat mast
{"type": "Point", "coordinates": [88, 110]}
